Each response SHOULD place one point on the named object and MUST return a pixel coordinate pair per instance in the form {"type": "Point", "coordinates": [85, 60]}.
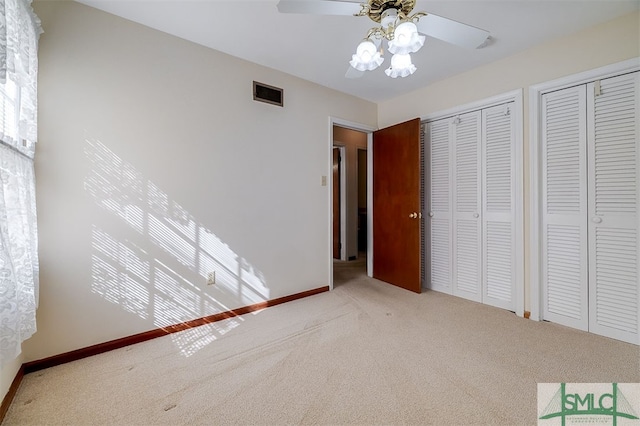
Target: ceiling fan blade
{"type": "Point", "coordinates": [452, 31]}
{"type": "Point", "coordinates": [319, 7]}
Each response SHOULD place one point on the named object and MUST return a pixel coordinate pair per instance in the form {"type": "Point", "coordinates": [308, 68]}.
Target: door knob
{"type": "Point", "coordinates": [413, 215]}
{"type": "Point", "coordinates": [597, 219]}
{"type": "Point", "coordinates": [430, 214]}
{"type": "Point", "coordinates": [476, 215]}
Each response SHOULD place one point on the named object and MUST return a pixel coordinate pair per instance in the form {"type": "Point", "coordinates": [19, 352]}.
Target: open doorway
{"type": "Point", "coordinates": [349, 203]}
{"type": "Point", "coordinates": [338, 212]}
{"type": "Point", "coordinates": [362, 202]}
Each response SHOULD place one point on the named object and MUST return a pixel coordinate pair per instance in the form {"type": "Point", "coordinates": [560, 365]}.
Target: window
{"type": "Point", "coordinates": [9, 93]}
{"type": "Point", "coordinates": [19, 31]}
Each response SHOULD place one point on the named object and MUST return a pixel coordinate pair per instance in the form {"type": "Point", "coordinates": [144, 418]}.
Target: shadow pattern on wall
{"type": "Point", "coordinates": [156, 264]}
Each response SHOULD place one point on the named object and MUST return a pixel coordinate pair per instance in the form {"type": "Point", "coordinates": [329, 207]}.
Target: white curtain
{"type": "Point", "coordinates": [19, 32]}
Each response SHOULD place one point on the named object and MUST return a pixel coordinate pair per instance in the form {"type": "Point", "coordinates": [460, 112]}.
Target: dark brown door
{"type": "Point", "coordinates": [396, 205]}
{"type": "Point", "coordinates": [336, 203]}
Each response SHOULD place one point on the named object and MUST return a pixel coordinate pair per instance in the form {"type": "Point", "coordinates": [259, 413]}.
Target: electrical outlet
{"type": "Point", "coordinates": [211, 278]}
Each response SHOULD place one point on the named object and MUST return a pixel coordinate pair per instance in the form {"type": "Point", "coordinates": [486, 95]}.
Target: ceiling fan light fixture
{"type": "Point", "coordinates": [406, 39]}
{"type": "Point", "coordinates": [397, 25]}
{"type": "Point", "coordinates": [401, 66]}
{"type": "Point", "coordinates": [367, 57]}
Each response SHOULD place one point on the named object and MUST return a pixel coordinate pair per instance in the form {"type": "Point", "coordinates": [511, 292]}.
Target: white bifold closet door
{"type": "Point", "coordinates": [471, 224]}
{"type": "Point", "coordinates": [564, 220]}
{"type": "Point", "coordinates": [438, 201]}
{"type": "Point", "coordinates": [499, 207]}
{"type": "Point", "coordinates": [613, 203]}
{"type": "Point", "coordinates": [467, 204]}
{"type": "Point", "coordinates": [590, 244]}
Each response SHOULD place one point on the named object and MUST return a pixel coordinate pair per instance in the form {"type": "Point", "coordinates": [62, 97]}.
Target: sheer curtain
{"type": "Point", "coordinates": [19, 32]}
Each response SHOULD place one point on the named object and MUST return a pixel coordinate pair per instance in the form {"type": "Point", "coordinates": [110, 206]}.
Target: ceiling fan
{"type": "Point", "coordinates": [403, 32]}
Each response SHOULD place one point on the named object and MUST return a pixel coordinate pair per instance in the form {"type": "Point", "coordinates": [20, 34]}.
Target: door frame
{"type": "Point", "coordinates": [369, 131]}
{"type": "Point", "coordinates": [515, 96]}
{"type": "Point", "coordinates": [535, 161]}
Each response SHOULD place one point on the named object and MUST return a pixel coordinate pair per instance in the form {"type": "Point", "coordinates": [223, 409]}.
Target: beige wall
{"type": "Point", "coordinates": [155, 166]}
{"type": "Point", "coordinates": [605, 44]}
{"type": "Point", "coordinates": [351, 140]}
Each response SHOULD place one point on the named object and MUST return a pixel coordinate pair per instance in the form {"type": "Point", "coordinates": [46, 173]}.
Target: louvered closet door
{"type": "Point", "coordinates": [613, 150]}
{"type": "Point", "coordinates": [498, 216]}
{"type": "Point", "coordinates": [438, 206]}
{"type": "Point", "coordinates": [467, 229]}
{"type": "Point", "coordinates": [564, 207]}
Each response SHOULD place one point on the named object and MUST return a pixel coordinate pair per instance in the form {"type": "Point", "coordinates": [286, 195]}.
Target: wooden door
{"type": "Point", "coordinates": [336, 203]}
{"type": "Point", "coordinates": [396, 205]}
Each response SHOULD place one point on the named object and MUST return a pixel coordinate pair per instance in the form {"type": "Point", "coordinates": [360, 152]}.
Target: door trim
{"type": "Point", "coordinates": [535, 162]}
{"type": "Point", "coordinates": [329, 164]}
{"type": "Point", "coordinates": [515, 96]}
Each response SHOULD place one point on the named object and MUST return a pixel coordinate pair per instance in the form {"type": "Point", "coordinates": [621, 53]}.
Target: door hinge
{"type": "Point", "coordinates": [597, 90]}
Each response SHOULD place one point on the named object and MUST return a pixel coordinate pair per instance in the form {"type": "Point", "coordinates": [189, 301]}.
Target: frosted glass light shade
{"type": "Point", "coordinates": [367, 57]}
{"type": "Point", "coordinates": [406, 39]}
{"type": "Point", "coordinates": [401, 66]}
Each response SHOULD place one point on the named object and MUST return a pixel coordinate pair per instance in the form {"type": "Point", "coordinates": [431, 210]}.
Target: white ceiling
{"type": "Point", "coordinates": [318, 48]}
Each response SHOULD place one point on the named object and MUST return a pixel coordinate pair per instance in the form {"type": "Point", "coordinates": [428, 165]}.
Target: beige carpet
{"type": "Point", "coordinates": [366, 353]}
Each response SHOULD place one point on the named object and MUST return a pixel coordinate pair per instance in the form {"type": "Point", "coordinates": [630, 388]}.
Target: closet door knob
{"type": "Point", "coordinates": [596, 219]}
{"type": "Point", "coordinates": [476, 215]}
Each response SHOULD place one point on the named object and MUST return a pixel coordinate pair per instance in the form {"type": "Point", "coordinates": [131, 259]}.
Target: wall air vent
{"type": "Point", "coordinates": [269, 94]}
